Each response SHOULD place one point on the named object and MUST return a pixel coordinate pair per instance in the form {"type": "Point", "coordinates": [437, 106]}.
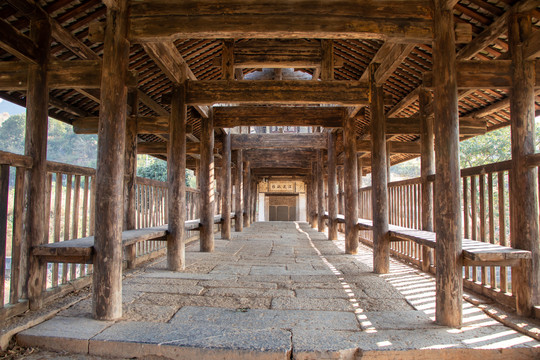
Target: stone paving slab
{"type": "Point", "coordinates": [228, 302]}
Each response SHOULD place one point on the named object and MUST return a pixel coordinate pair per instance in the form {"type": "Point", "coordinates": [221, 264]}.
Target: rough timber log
{"type": "Point", "coordinates": [276, 92]}
{"type": "Point", "coordinates": [229, 116]}
{"type": "Point", "coordinates": [36, 149]}
{"type": "Point", "coordinates": [278, 141]}
{"type": "Point", "coordinates": [351, 186]}
{"type": "Point", "coordinates": [468, 126]}
{"type": "Point", "coordinates": [523, 192]}
{"type": "Point", "coordinates": [239, 192]}
{"type": "Point", "coordinates": [397, 147]}
{"type": "Point", "coordinates": [226, 187]}
{"type": "Point", "coordinates": [247, 193]}
{"type": "Point", "coordinates": [18, 44]}
{"type": "Point", "coordinates": [176, 170]}
{"type": "Point", "coordinates": [314, 194]}
{"type": "Point", "coordinates": [427, 169]}
{"type": "Point", "coordinates": [130, 173]}
{"type": "Point", "coordinates": [332, 178]}
{"type": "Point", "coordinates": [381, 240]}
{"type": "Point", "coordinates": [207, 185]}
{"type": "Point", "coordinates": [107, 277]}
{"type": "Point", "coordinates": [449, 282]}
{"type": "Point", "coordinates": [321, 225]}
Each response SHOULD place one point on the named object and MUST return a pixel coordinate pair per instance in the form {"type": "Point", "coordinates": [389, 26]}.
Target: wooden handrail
{"type": "Point", "coordinates": [7, 158]}
{"type": "Point", "coordinates": [56, 167]}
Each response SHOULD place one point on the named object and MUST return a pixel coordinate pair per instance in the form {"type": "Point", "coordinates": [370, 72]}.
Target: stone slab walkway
{"type": "Point", "coordinates": [279, 291]}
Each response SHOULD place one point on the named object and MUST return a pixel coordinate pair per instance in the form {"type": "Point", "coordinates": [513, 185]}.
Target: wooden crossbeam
{"type": "Point", "coordinates": [226, 116]}
{"type": "Point", "coordinates": [168, 59]}
{"type": "Point", "coordinates": [276, 92]}
{"type": "Point", "coordinates": [61, 75]}
{"type": "Point", "coordinates": [160, 148]}
{"type": "Point", "coordinates": [155, 20]}
{"type": "Point", "coordinates": [392, 61]}
{"type": "Point", "coordinates": [280, 171]}
{"type": "Point", "coordinates": [468, 126]}
{"type": "Point", "coordinates": [145, 125]}
{"type": "Point", "coordinates": [279, 141]}
{"type": "Point", "coordinates": [395, 147]}
{"type": "Point", "coordinates": [17, 44]}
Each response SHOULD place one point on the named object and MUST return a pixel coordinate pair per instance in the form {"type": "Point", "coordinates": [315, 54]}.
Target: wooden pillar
{"type": "Point", "coordinates": [207, 184]}
{"type": "Point", "coordinates": [523, 184]}
{"type": "Point", "coordinates": [360, 170]}
{"type": "Point", "coordinates": [37, 103]}
{"type": "Point", "coordinates": [107, 278]}
{"type": "Point", "coordinates": [379, 179]}
{"type": "Point", "coordinates": [340, 189]}
{"type": "Point", "coordinates": [332, 179]}
{"type": "Point", "coordinates": [351, 186]}
{"type": "Point", "coordinates": [320, 192]}
{"type": "Point", "coordinates": [427, 166]}
{"type": "Point", "coordinates": [239, 203]}
{"type": "Point", "coordinates": [130, 175]}
{"type": "Point", "coordinates": [388, 161]}
{"type": "Point", "coordinates": [247, 194]}
{"type": "Point", "coordinates": [176, 173]}
{"type": "Point", "coordinates": [314, 191]}
{"type": "Point", "coordinates": [226, 187]}
{"type": "Point", "coordinates": [449, 282]}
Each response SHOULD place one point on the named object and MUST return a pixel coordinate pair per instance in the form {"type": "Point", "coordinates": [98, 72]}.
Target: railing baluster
{"type": "Point", "coordinates": [4, 198]}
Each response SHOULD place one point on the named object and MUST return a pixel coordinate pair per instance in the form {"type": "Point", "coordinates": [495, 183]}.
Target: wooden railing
{"type": "Point", "coordinates": [486, 218]}
{"type": "Point", "coordinates": [70, 212]}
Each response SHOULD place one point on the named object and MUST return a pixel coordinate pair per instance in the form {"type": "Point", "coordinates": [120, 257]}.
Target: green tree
{"type": "Point", "coordinates": [12, 134]}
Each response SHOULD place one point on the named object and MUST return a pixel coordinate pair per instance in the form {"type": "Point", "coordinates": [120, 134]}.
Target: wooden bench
{"type": "Point", "coordinates": [81, 251]}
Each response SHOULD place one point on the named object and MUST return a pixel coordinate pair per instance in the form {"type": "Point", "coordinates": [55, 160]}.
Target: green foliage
{"type": "Point", "coordinates": [151, 168]}
{"type": "Point", "coordinates": [486, 149]}
{"type": "Point", "coordinates": [12, 134]}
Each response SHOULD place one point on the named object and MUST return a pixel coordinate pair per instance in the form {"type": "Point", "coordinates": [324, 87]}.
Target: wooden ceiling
{"type": "Point", "coordinates": [404, 61]}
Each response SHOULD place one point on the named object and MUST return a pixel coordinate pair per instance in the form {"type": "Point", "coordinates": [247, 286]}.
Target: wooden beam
{"type": "Point", "coordinates": [225, 117]}
{"type": "Point", "coordinates": [398, 147]}
{"type": "Point", "coordinates": [403, 21]}
{"type": "Point", "coordinates": [151, 103]}
{"type": "Point", "coordinates": [332, 180]}
{"type": "Point", "coordinates": [226, 187]}
{"type": "Point", "coordinates": [278, 141]}
{"type": "Point", "coordinates": [160, 148]}
{"type": "Point", "coordinates": [239, 192]}
{"type": "Point", "coordinates": [207, 186]}
{"type": "Point", "coordinates": [262, 171]}
{"type": "Point", "coordinates": [130, 174]}
{"type": "Point", "coordinates": [145, 125]}
{"type": "Point", "coordinates": [532, 47]}
{"type": "Point", "coordinates": [61, 75]}
{"type": "Point", "coordinates": [468, 126]}
{"type": "Point", "coordinates": [276, 92]}
{"type": "Point", "coordinates": [168, 59]}
{"type": "Point", "coordinates": [18, 44]}
{"type": "Point", "coordinates": [392, 61]}
{"type": "Point", "coordinates": [227, 60]}
{"type": "Point", "coordinates": [351, 186]}
{"type": "Point", "coordinates": [321, 224]}
{"type": "Point", "coordinates": [246, 180]}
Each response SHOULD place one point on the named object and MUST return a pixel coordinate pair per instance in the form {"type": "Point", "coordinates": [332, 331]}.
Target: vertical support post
{"type": "Point", "coordinates": [253, 201]}
{"type": "Point", "coordinates": [314, 193]}
{"type": "Point", "coordinates": [239, 203]}
{"type": "Point", "coordinates": [320, 192]}
{"type": "Point", "coordinates": [360, 170]}
{"type": "Point", "coordinates": [130, 174]}
{"type": "Point", "coordinates": [523, 194]}
{"type": "Point", "coordinates": [327, 64]}
{"type": "Point", "coordinates": [247, 195]}
{"type": "Point", "coordinates": [449, 281]}
{"type": "Point", "coordinates": [107, 277]}
{"type": "Point", "coordinates": [207, 184]}
{"type": "Point", "coordinates": [379, 179]}
{"type": "Point", "coordinates": [226, 187]}
{"type": "Point", "coordinates": [427, 168]}
{"type": "Point", "coordinates": [37, 102]}
{"type": "Point", "coordinates": [227, 60]}
{"type": "Point", "coordinates": [332, 179]}
{"type": "Point", "coordinates": [351, 186]}
{"type": "Point", "coordinates": [176, 172]}
{"type": "Point", "coordinates": [340, 189]}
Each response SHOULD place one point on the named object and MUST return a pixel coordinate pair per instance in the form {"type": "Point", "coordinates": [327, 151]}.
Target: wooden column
{"type": "Point", "coordinates": [427, 159]}
{"type": "Point", "coordinates": [351, 186]}
{"type": "Point", "coordinates": [107, 278]}
{"type": "Point", "coordinates": [449, 282]}
{"type": "Point", "coordinates": [360, 169]}
{"type": "Point", "coordinates": [523, 191]}
{"type": "Point", "coordinates": [176, 173]}
{"type": "Point", "coordinates": [320, 192]}
{"type": "Point", "coordinates": [379, 179]}
{"type": "Point", "coordinates": [37, 103]}
{"type": "Point", "coordinates": [254, 197]}
{"type": "Point", "coordinates": [314, 191]}
{"type": "Point", "coordinates": [239, 203]}
{"type": "Point", "coordinates": [340, 189]}
{"type": "Point", "coordinates": [207, 184]}
{"type": "Point", "coordinates": [247, 194]}
{"type": "Point", "coordinates": [226, 189]}
{"type": "Point", "coordinates": [332, 179]}
{"type": "Point", "coordinates": [130, 175]}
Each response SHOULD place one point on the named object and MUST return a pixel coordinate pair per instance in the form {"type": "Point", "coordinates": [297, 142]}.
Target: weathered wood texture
{"type": "Point", "coordinates": [276, 92]}
{"type": "Point", "coordinates": [36, 148]}
{"type": "Point", "coordinates": [379, 180]}
{"type": "Point", "coordinates": [18, 44]}
{"type": "Point", "coordinates": [130, 173]}
{"type": "Point", "coordinates": [523, 194]}
{"type": "Point", "coordinates": [449, 281]}
{"type": "Point", "coordinates": [107, 276]}
{"type": "Point", "coordinates": [332, 179]}
{"type": "Point", "coordinates": [247, 193]}
{"type": "Point", "coordinates": [239, 192]}
{"type": "Point", "coordinates": [314, 194]}
{"type": "Point", "coordinates": [427, 168]}
{"type": "Point", "coordinates": [230, 116]}
{"type": "Point", "coordinates": [351, 186]}
{"type": "Point", "coordinates": [278, 141]}
{"type": "Point", "coordinates": [176, 172]}
{"type": "Point", "coordinates": [207, 184]}
{"type": "Point", "coordinates": [321, 225]}
{"type": "Point", "coordinates": [226, 187]}
{"type": "Point", "coordinates": [227, 60]}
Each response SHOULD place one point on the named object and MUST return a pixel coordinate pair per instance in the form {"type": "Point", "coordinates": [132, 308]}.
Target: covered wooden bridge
{"type": "Point", "coordinates": [250, 94]}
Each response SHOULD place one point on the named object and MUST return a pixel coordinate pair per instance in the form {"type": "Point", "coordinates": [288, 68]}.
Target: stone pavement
{"type": "Point", "coordinates": [279, 290]}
